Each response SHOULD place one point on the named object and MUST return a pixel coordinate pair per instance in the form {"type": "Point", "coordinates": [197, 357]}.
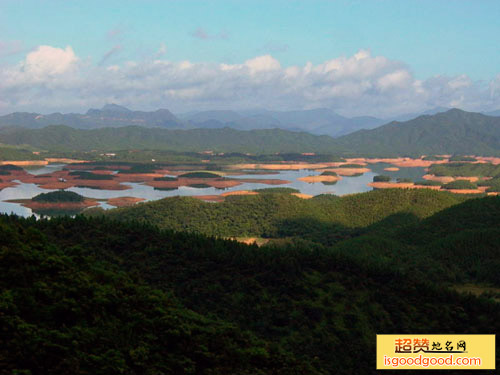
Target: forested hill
{"type": "Point", "coordinates": [63, 138]}
{"type": "Point", "coordinates": [451, 132]}
{"type": "Point", "coordinates": [388, 226]}
{"type": "Point", "coordinates": [282, 215]}
{"type": "Point", "coordinates": [103, 297]}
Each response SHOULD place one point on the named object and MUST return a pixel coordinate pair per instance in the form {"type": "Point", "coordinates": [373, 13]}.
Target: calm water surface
{"type": "Point", "coordinates": [347, 185]}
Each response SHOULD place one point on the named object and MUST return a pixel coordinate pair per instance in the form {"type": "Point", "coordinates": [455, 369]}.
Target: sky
{"type": "Point", "coordinates": [370, 57]}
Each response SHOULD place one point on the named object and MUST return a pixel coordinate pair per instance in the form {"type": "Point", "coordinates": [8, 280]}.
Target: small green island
{"type": "Point", "coordinates": [57, 203]}
{"type": "Point", "coordinates": [58, 196]}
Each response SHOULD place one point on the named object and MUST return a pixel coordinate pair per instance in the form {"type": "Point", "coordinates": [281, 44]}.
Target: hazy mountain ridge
{"type": "Point", "coordinates": [321, 121]}
{"type": "Point", "coordinates": [111, 115]}
{"type": "Point", "coordinates": [454, 132]}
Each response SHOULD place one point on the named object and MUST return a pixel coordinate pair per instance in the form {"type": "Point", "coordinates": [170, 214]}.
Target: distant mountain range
{"type": "Point", "coordinates": [321, 121]}
{"type": "Point", "coordinates": [454, 132]}
{"type": "Point", "coordinates": [493, 113]}
{"type": "Point", "coordinates": [111, 115]}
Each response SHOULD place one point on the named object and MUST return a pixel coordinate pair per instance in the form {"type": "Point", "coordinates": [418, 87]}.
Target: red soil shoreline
{"type": "Point", "coordinates": [57, 205]}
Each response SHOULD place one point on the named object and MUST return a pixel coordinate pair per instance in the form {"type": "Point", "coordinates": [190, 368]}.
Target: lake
{"type": "Point", "coordinates": [347, 185]}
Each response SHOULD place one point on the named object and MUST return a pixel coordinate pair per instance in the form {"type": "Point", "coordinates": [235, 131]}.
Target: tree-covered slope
{"type": "Point", "coordinates": [17, 153]}
{"type": "Point", "coordinates": [456, 245]}
{"type": "Point", "coordinates": [84, 293]}
{"type": "Point", "coordinates": [63, 310]}
{"type": "Point", "coordinates": [454, 131]}
{"type": "Point", "coordinates": [63, 138]}
{"type": "Point", "coordinates": [321, 218]}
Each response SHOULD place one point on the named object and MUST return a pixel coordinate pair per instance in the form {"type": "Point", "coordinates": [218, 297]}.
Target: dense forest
{"type": "Point", "coordinates": [378, 224]}
{"type": "Point", "coordinates": [63, 138]}
{"type": "Point", "coordinates": [323, 218]}
{"type": "Point", "coordinates": [460, 184]}
{"type": "Point", "coordinates": [91, 295]}
{"type": "Point", "coordinates": [454, 132]}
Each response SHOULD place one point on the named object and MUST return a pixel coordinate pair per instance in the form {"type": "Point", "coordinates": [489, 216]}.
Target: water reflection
{"type": "Point", "coordinates": [347, 185]}
{"type": "Point", "coordinates": [45, 169]}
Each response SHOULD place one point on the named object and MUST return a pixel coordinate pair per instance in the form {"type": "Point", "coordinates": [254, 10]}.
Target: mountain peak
{"type": "Point", "coordinates": [457, 110]}
{"type": "Point", "coordinates": [114, 108]}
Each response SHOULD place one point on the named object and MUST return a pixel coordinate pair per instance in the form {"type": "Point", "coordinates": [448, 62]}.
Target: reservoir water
{"type": "Point", "coordinates": [347, 185]}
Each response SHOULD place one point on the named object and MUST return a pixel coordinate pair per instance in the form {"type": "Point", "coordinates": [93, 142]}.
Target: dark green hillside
{"type": "Point", "coordinates": [465, 169]}
{"type": "Point", "coordinates": [460, 185]}
{"type": "Point", "coordinates": [200, 175]}
{"type": "Point", "coordinates": [62, 311]}
{"type": "Point", "coordinates": [381, 178]}
{"type": "Point", "coordinates": [493, 184]}
{"type": "Point", "coordinates": [63, 138]}
{"type": "Point", "coordinates": [456, 245]}
{"type": "Point", "coordinates": [277, 190]}
{"type": "Point", "coordinates": [462, 158]}
{"type": "Point", "coordinates": [454, 132]}
{"type": "Point", "coordinates": [463, 239]}
{"type": "Point", "coordinates": [471, 214]}
{"type": "Point", "coordinates": [17, 153]}
{"type": "Point", "coordinates": [322, 218]}
{"type": "Point", "coordinates": [10, 167]}
{"type": "Point", "coordinates": [378, 226]}
{"type": "Point", "coordinates": [58, 196]}
{"type": "Point", "coordinates": [87, 290]}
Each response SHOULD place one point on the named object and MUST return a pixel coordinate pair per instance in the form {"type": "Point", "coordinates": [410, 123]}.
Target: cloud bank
{"type": "Point", "coordinates": [56, 79]}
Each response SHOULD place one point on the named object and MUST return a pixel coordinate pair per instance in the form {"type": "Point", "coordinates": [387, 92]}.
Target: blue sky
{"type": "Point", "coordinates": [431, 38]}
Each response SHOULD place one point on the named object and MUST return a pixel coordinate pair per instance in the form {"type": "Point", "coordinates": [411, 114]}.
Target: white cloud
{"type": "Point", "coordinates": [263, 64]}
{"type": "Point", "coordinates": [460, 81]}
{"type": "Point", "coordinates": [398, 79]}
{"type": "Point", "coordinates": [55, 79]}
{"type": "Point", "coordinates": [47, 60]}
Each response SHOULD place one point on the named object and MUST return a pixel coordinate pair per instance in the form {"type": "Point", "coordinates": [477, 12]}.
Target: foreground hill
{"type": "Point", "coordinates": [386, 226]}
{"type": "Point", "coordinates": [453, 132]}
{"type": "Point", "coordinates": [98, 296]}
{"type": "Point", "coordinates": [456, 245]}
{"type": "Point", "coordinates": [281, 215]}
